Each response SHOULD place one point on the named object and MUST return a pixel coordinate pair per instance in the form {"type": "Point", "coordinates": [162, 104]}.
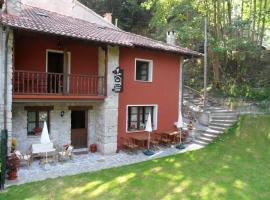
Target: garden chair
{"type": "Point", "coordinates": [66, 153]}
{"type": "Point", "coordinates": [154, 143]}
{"type": "Point", "coordinates": [164, 139]}
{"type": "Point", "coordinates": [24, 158]}
{"type": "Point", "coordinates": [129, 144]}
{"type": "Point", "coordinates": [184, 136]}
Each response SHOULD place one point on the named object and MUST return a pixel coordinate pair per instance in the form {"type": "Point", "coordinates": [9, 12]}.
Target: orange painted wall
{"type": "Point", "coordinates": [30, 53]}
{"type": "Point", "coordinates": [163, 91]}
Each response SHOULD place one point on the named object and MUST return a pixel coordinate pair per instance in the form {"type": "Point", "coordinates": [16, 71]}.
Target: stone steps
{"type": "Point", "coordinates": [220, 119]}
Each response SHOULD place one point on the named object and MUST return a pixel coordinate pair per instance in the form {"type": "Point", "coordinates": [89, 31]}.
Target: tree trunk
{"type": "Point", "coordinates": [216, 66]}
{"type": "Point", "coordinates": [263, 23]}
{"type": "Point", "coordinates": [254, 21]}
{"type": "Point", "coordinates": [229, 5]}
{"type": "Point", "coordinates": [242, 15]}
{"type": "Point", "coordinates": [259, 23]}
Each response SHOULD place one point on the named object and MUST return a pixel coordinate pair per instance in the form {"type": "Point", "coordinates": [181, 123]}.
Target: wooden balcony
{"type": "Point", "coordinates": [43, 85]}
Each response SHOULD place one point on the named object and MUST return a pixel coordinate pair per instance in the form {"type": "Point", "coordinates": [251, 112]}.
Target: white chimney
{"type": "Point", "coordinates": [14, 7]}
{"type": "Point", "coordinates": [171, 37]}
{"type": "Point", "coordinates": [108, 17]}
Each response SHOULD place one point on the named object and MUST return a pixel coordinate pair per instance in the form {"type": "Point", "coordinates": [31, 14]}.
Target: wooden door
{"type": "Point", "coordinates": [55, 69]}
{"type": "Point", "coordinates": [79, 128]}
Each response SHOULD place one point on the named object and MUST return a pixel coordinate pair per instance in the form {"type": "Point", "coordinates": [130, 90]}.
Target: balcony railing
{"type": "Point", "coordinates": [42, 83]}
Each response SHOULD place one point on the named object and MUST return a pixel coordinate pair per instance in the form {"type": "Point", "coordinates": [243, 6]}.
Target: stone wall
{"type": "Point", "coordinates": [3, 35]}
{"type": "Point", "coordinates": [60, 127]}
{"type": "Point", "coordinates": [107, 112]}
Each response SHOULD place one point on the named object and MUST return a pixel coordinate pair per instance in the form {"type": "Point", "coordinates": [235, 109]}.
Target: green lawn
{"type": "Point", "coordinates": [235, 166]}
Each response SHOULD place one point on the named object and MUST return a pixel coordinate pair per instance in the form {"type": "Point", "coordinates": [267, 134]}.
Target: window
{"type": "Point", "coordinates": [137, 117]}
{"type": "Point", "coordinates": [143, 70]}
{"type": "Point", "coordinates": [35, 121]}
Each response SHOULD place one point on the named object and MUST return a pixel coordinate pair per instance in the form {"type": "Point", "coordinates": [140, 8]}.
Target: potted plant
{"type": "Point", "coordinates": [13, 163]}
{"type": "Point", "coordinates": [13, 145]}
{"type": "Point", "coordinates": [37, 131]}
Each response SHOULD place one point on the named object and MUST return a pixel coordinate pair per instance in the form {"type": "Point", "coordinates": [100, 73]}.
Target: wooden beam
{"type": "Point", "coordinates": [40, 108]}
{"type": "Point", "coordinates": [80, 107]}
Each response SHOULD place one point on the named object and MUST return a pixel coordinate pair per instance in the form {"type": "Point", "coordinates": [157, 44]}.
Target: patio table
{"type": "Point", "coordinates": [170, 135]}
{"type": "Point", "coordinates": [47, 157]}
{"type": "Point", "coordinates": [140, 138]}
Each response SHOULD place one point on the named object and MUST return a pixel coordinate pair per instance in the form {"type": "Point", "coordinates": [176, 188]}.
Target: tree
{"type": "Point", "coordinates": [132, 17]}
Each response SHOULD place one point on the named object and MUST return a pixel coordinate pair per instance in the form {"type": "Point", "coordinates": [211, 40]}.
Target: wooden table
{"type": "Point", "coordinates": [170, 135]}
{"type": "Point", "coordinates": [140, 138]}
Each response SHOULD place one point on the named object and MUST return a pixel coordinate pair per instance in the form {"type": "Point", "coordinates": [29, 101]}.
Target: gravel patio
{"type": "Point", "coordinates": [88, 163]}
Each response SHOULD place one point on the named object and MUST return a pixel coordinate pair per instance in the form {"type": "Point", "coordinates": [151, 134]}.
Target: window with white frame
{"type": "Point", "coordinates": [35, 121]}
{"type": "Point", "coordinates": [137, 117]}
{"type": "Point", "coordinates": [143, 70]}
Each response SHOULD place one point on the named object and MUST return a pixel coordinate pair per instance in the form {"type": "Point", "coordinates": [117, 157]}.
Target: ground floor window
{"type": "Point", "coordinates": [137, 117]}
{"type": "Point", "coordinates": [35, 121]}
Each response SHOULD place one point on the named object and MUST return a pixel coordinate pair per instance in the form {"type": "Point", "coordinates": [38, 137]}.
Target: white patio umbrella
{"type": "Point", "coordinates": [179, 126]}
{"type": "Point", "coordinates": [45, 139]}
{"type": "Point", "coordinates": [149, 129]}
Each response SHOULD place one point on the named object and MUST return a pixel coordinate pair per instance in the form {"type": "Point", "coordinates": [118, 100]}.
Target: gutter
{"type": "Point", "coordinates": [6, 77]}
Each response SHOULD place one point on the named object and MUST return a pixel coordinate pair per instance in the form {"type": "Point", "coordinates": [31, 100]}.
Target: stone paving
{"type": "Point", "coordinates": [88, 163]}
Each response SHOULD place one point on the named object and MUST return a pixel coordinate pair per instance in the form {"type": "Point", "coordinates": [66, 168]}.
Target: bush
{"type": "Point", "coordinates": [246, 92]}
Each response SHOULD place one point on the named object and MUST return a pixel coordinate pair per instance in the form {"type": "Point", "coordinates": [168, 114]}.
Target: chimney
{"type": "Point", "coordinates": [116, 22]}
{"type": "Point", "coordinates": [108, 17]}
{"type": "Point", "coordinates": [171, 37]}
{"type": "Point", "coordinates": [14, 7]}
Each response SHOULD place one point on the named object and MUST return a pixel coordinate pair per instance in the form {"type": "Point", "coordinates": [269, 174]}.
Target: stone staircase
{"type": "Point", "coordinates": [219, 117]}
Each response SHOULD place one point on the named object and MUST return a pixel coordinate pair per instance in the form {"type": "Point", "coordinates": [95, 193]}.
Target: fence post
{"type": "Point", "coordinates": [3, 155]}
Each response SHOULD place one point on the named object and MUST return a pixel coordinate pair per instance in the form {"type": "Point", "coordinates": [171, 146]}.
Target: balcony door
{"type": "Point", "coordinates": [79, 128]}
{"type": "Point", "coordinates": [55, 70]}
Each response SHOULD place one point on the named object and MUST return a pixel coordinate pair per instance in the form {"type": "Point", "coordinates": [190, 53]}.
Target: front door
{"type": "Point", "coordinates": [79, 128]}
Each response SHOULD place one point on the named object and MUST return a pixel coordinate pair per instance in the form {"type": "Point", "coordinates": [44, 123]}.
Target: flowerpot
{"type": "Point", "coordinates": [93, 148]}
{"type": "Point", "coordinates": [12, 175]}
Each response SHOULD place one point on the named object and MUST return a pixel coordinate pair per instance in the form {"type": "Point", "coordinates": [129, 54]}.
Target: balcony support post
{"type": "Point", "coordinates": [106, 71]}
{"type": "Point", "coordinates": [65, 71]}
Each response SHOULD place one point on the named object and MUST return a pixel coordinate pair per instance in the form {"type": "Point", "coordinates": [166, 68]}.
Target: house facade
{"type": "Point", "coordinates": [92, 82]}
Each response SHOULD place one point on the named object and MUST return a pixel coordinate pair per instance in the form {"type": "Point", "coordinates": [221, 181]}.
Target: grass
{"type": "Point", "coordinates": [236, 166]}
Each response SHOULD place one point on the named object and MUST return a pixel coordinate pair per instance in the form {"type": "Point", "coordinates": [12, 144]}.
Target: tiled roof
{"type": "Point", "coordinates": [36, 19]}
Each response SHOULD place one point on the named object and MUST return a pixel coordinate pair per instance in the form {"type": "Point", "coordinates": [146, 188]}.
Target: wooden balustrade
{"type": "Point", "coordinates": [42, 83]}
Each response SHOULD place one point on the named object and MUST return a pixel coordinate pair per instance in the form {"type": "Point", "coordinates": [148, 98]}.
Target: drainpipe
{"type": "Point", "coordinates": [6, 77]}
{"type": "Point", "coordinates": [181, 86]}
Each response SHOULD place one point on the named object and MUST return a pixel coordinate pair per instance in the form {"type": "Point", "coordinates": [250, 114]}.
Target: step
{"type": "Point", "coordinates": [223, 121]}
{"type": "Point", "coordinates": [221, 111]}
{"type": "Point", "coordinates": [204, 139]}
{"type": "Point", "coordinates": [212, 131]}
{"type": "Point", "coordinates": [218, 128]}
{"type": "Point", "coordinates": [224, 114]}
{"type": "Point", "coordinates": [209, 135]}
{"type": "Point", "coordinates": [213, 118]}
{"type": "Point", "coordinates": [220, 124]}
{"type": "Point", "coordinates": [202, 143]}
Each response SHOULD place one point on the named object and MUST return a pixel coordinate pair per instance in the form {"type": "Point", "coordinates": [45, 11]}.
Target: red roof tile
{"type": "Point", "coordinates": [40, 20]}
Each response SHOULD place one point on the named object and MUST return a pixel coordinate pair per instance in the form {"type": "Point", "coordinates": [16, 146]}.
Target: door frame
{"type": "Point", "coordinates": [86, 122]}
{"type": "Point", "coordinates": [59, 51]}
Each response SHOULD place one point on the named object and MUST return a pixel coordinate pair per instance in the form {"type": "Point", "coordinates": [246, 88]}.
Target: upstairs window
{"type": "Point", "coordinates": [143, 70]}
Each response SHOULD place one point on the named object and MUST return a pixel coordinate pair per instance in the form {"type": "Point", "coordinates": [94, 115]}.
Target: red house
{"type": "Point", "coordinates": [91, 81]}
